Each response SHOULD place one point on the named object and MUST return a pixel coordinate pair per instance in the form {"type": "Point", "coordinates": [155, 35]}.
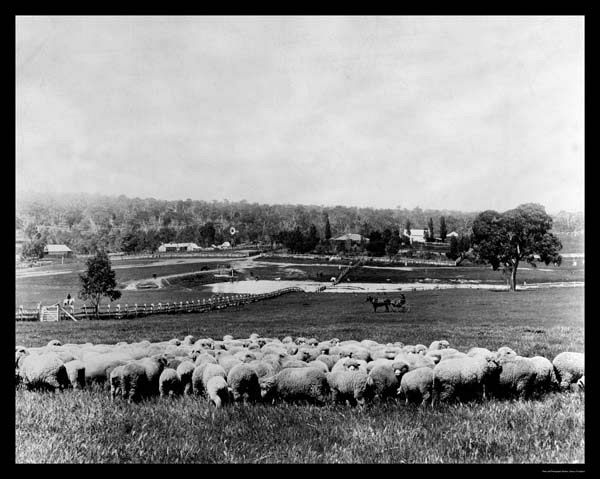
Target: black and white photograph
{"type": "Point", "coordinates": [300, 239]}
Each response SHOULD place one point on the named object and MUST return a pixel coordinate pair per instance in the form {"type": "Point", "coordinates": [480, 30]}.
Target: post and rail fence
{"type": "Point", "coordinates": [56, 312]}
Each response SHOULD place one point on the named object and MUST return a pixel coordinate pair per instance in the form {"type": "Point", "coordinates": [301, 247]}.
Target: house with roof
{"type": "Point", "coordinates": [58, 250]}
{"type": "Point", "coordinates": [415, 236]}
{"type": "Point", "coordinates": [178, 247]}
{"type": "Point", "coordinates": [353, 238]}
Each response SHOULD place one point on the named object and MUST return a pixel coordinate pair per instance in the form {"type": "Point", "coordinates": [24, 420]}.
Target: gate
{"type": "Point", "coordinates": [49, 313]}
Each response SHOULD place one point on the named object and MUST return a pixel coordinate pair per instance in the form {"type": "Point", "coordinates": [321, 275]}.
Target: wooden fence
{"type": "Point", "coordinates": [139, 310]}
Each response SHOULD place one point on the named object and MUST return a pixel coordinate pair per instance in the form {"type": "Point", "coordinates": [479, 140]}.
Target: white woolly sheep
{"type": "Point", "coordinates": [416, 386]}
{"type": "Point", "coordinates": [54, 342]}
{"type": "Point", "coordinates": [131, 381]}
{"type": "Point", "coordinates": [204, 358]}
{"type": "Point", "coordinates": [379, 361]}
{"type": "Point", "coordinates": [287, 363]}
{"type": "Point", "coordinates": [328, 360]}
{"type": "Point", "coordinates": [385, 381]}
{"type": "Point", "coordinates": [355, 387]}
{"type": "Point", "coordinates": [185, 371]}
{"type": "Point", "coordinates": [319, 365]}
{"type": "Point", "coordinates": [296, 384]}
{"type": "Point", "coordinates": [350, 364]}
{"type": "Point", "coordinates": [464, 378]}
{"type": "Point", "coordinates": [210, 371]}
{"type": "Point", "coordinates": [569, 368]}
{"type": "Point", "coordinates": [227, 362]}
{"type": "Point", "coordinates": [263, 368]}
{"type": "Point", "coordinates": [420, 349]}
{"type": "Point", "coordinates": [43, 371]}
{"type": "Point", "coordinates": [436, 345]}
{"type": "Point", "coordinates": [243, 381]}
{"type": "Point", "coordinates": [476, 351]}
{"type": "Point", "coordinates": [217, 391]}
{"type": "Point", "coordinates": [99, 366]}
{"type": "Point", "coordinates": [174, 342]}
{"type": "Point", "coordinates": [506, 353]}
{"type": "Point", "coordinates": [76, 373]}
{"type": "Point", "coordinates": [197, 384]}
{"type": "Point", "coordinates": [517, 378]}
{"type": "Point", "coordinates": [545, 379]}
{"type": "Point", "coordinates": [169, 383]}
{"type": "Point", "coordinates": [287, 339]}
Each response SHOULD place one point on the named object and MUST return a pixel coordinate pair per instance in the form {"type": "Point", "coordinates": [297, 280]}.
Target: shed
{"type": "Point", "coordinates": [58, 250]}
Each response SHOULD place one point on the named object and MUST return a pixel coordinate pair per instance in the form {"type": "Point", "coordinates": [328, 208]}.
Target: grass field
{"type": "Point", "coordinates": [85, 427]}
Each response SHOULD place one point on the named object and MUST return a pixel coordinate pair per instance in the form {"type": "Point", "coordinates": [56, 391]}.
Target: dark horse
{"type": "Point", "coordinates": [376, 302]}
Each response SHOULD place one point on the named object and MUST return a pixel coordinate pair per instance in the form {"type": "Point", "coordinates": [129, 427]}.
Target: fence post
{"type": "Point", "coordinates": [135, 309]}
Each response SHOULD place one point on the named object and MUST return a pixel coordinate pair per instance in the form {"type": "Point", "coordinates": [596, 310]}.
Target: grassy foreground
{"type": "Point", "coordinates": [84, 426]}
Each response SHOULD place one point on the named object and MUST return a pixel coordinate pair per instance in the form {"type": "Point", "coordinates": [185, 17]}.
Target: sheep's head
{"type": "Point", "coordinates": [175, 342]}
{"type": "Point", "coordinates": [189, 339]}
{"type": "Point", "coordinates": [400, 368]}
{"type": "Point", "coordinates": [54, 342]}
{"type": "Point", "coordinates": [334, 341]}
{"type": "Point", "coordinates": [312, 342]}
{"type": "Point", "coordinates": [228, 337]}
{"type": "Point", "coordinates": [300, 341]}
{"type": "Point", "coordinates": [409, 349]}
{"type": "Point", "coordinates": [267, 387]}
{"type": "Point", "coordinates": [421, 349]}
{"type": "Point", "coordinates": [287, 339]}
{"type": "Point", "coordinates": [352, 365]}
{"type": "Point", "coordinates": [19, 356]}
{"type": "Point", "coordinates": [505, 354]}
{"type": "Point", "coordinates": [261, 341]}
{"type": "Point", "coordinates": [303, 355]}
{"type": "Point", "coordinates": [254, 336]}
{"type": "Point", "coordinates": [444, 344]}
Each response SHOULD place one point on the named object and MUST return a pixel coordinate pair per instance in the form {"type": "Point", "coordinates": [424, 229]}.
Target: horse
{"type": "Point", "coordinates": [398, 304]}
{"type": "Point", "coordinates": [377, 303]}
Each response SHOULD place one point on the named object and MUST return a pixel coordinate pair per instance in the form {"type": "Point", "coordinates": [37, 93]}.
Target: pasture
{"type": "Point", "coordinates": [84, 426]}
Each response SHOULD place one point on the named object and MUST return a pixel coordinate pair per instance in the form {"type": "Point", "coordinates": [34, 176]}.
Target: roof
{"type": "Point", "coordinates": [454, 233]}
{"type": "Point", "coordinates": [416, 232]}
{"type": "Point", "coordinates": [57, 248]}
{"type": "Point", "coordinates": [349, 236]}
{"type": "Point", "coordinates": [181, 245]}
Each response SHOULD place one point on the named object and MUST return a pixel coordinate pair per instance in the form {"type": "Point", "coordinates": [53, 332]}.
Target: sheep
{"type": "Point", "coordinates": [545, 379]}
{"type": "Point", "coordinates": [319, 365]}
{"type": "Point", "coordinates": [385, 381]}
{"type": "Point", "coordinates": [420, 349]}
{"type": "Point", "coordinates": [169, 383]}
{"type": "Point", "coordinates": [131, 380]}
{"type": "Point", "coordinates": [349, 364]}
{"type": "Point", "coordinates": [416, 360]}
{"type": "Point", "coordinates": [54, 342]}
{"type": "Point", "coordinates": [76, 373]}
{"type": "Point", "coordinates": [416, 386]}
{"type": "Point", "coordinates": [288, 363]}
{"type": "Point", "coordinates": [307, 354]}
{"type": "Point", "coordinates": [217, 391]}
{"type": "Point", "coordinates": [228, 337]}
{"type": "Point", "coordinates": [506, 353]}
{"type": "Point", "coordinates": [379, 361]}
{"type": "Point", "coordinates": [385, 352]}
{"type": "Point", "coordinates": [210, 371]}
{"type": "Point", "coordinates": [409, 349]}
{"type": "Point", "coordinates": [174, 342]}
{"type": "Point", "coordinates": [173, 363]}
{"type": "Point", "coordinates": [227, 362]}
{"type": "Point", "coordinates": [296, 384]}
{"type": "Point", "coordinates": [569, 367]}
{"type": "Point", "coordinates": [477, 351]}
{"type": "Point", "coordinates": [328, 360]}
{"type": "Point", "coordinates": [246, 356]}
{"type": "Point", "coordinates": [44, 371]}
{"type": "Point", "coordinates": [290, 348]}
{"type": "Point", "coordinates": [356, 387]}
{"type": "Point", "coordinates": [464, 378]}
{"type": "Point", "coordinates": [189, 340]}
{"type": "Point", "coordinates": [436, 345]}
{"type": "Point", "coordinates": [369, 343]}
{"type": "Point", "coordinates": [312, 342]}
{"type": "Point", "coordinates": [204, 358]}
{"type": "Point", "coordinates": [243, 381]}
{"type": "Point", "coordinates": [263, 368]}
{"type": "Point", "coordinates": [287, 339]}
{"type": "Point", "coordinates": [205, 343]}
{"type": "Point", "coordinates": [197, 384]}
{"type": "Point", "coordinates": [517, 378]}
{"type": "Point", "coordinates": [153, 367]}
{"type": "Point", "coordinates": [99, 366]}
{"type": "Point", "coordinates": [271, 348]}
{"type": "Point", "coordinates": [185, 370]}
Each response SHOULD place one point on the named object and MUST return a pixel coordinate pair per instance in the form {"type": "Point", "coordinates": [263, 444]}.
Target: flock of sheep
{"type": "Point", "coordinates": [269, 369]}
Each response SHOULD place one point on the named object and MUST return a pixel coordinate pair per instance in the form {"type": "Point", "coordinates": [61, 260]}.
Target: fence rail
{"type": "Point", "coordinates": [139, 310]}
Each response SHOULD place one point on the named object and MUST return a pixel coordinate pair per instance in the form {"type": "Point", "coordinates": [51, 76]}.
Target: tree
{"type": "Point", "coordinates": [311, 240]}
{"type": "Point", "coordinates": [393, 245]}
{"type": "Point", "coordinates": [98, 281]}
{"type": "Point", "coordinates": [521, 234]}
{"type": "Point", "coordinates": [430, 233]}
{"type": "Point", "coordinates": [33, 249]}
{"type": "Point", "coordinates": [376, 244]}
{"type": "Point", "coordinates": [327, 228]}
{"type": "Point", "coordinates": [453, 253]}
{"type": "Point", "coordinates": [407, 227]}
{"type": "Point", "coordinates": [443, 228]}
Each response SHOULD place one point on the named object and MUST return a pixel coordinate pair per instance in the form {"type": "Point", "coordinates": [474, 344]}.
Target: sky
{"type": "Point", "coordinates": [464, 113]}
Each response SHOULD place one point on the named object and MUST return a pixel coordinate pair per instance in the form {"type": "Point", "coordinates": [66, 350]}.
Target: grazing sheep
{"type": "Point", "coordinates": [169, 383]}
{"type": "Point", "coordinates": [545, 379]}
{"type": "Point", "coordinates": [319, 365]}
{"type": "Point", "coordinates": [246, 356]}
{"type": "Point", "coordinates": [328, 360]}
{"type": "Point", "coordinates": [379, 361]}
{"type": "Point", "coordinates": [76, 373]}
{"type": "Point", "coordinates": [189, 340]}
{"type": "Point", "coordinates": [409, 349]}
{"type": "Point", "coordinates": [99, 366]}
{"type": "Point", "coordinates": [217, 391]}
{"type": "Point", "coordinates": [416, 386]}
{"type": "Point", "coordinates": [185, 371]}
{"type": "Point", "coordinates": [356, 387]}
{"type": "Point", "coordinates": [54, 342]}
{"type": "Point", "coordinates": [287, 339]}
{"type": "Point", "coordinates": [204, 358]}
{"type": "Point", "coordinates": [243, 381]}
{"type": "Point", "coordinates": [385, 352]}
{"type": "Point", "coordinates": [197, 384]}
{"type": "Point", "coordinates": [312, 342]}
{"type": "Point", "coordinates": [271, 348]}
{"type": "Point", "coordinates": [300, 340]}
{"type": "Point", "coordinates": [385, 382]}
{"type": "Point", "coordinates": [416, 360]}
{"type": "Point", "coordinates": [287, 363]}
{"type": "Point", "coordinates": [296, 384]}
{"type": "Point", "coordinates": [478, 351]}
{"type": "Point", "coordinates": [420, 349]}
{"type": "Point", "coordinates": [263, 368]}
{"type": "Point", "coordinates": [290, 348]}
{"type": "Point", "coordinates": [227, 362]}
{"type": "Point", "coordinates": [173, 363]}
{"type": "Point", "coordinates": [131, 381]}
{"type": "Point", "coordinates": [174, 342]}
{"type": "Point", "coordinates": [212, 370]}
{"type": "Point", "coordinates": [153, 367]}
{"type": "Point", "coordinates": [43, 371]}
{"type": "Point", "coordinates": [307, 353]}
{"type": "Point", "coordinates": [464, 378]}
{"type": "Point", "coordinates": [517, 378]}
{"type": "Point", "coordinates": [369, 343]}
{"type": "Point", "coordinates": [569, 368]}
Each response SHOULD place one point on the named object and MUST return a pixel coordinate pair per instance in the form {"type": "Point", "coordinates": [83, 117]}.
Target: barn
{"type": "Point", "coordinates": [177, 247]}
{"type": "Point", "coordinates": [58, 250]}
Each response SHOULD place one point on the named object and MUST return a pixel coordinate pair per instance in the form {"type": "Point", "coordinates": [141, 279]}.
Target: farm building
{"type": "Point", "coordinates": [415, 236]}
{"type": "Point", "coordinates": [352, 238]}
{"type": "Point", "coordinates": [454, 233]}
{"type": "Point", "coordinates": [177, 247]}
{"type": "Point", "coordinates": [58, 250]}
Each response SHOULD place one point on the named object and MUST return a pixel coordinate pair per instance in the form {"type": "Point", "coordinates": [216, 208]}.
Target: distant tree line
{"type": "Point", "coordinates": [87, 223]}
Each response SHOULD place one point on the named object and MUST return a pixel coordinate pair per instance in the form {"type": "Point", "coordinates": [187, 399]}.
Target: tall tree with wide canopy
{"type": "Point", "coordinates": [98, 281]}
{"type": "Point", "coordinates": [506, 239]}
